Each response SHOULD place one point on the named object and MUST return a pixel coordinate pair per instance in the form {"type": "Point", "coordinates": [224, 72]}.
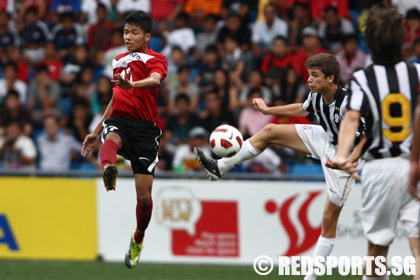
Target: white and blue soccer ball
{"type": "Point", "coordinates": [226, 140]}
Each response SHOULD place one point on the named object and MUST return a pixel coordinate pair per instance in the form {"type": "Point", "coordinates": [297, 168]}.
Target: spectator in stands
{"type": "Point", "coordinates": [166, 11]}
{"type": "Point", "coordinates": [44, 94]}
{"type": "Point", "coordinates": [85, 86]}
{"type": "Point", "coordinates": [226, 90]}
{"type": "Point", "coordinates": [72, 69]}
{"type": "Point", "coordinates": [35, 35]}
{"type": "Point", "coordinates": [67, 35]}
{"type": "Point", "coordinates": [351, 58]}
{"type": "Point", "coordinates": [209, 36]}
{"type": "Point", "coordinates": [333, 30]}
{"type": "Point", "coordinates": [184, 158]}
{"type": "Point", "coordinates": [311, 46]}
{"type": "Point", "coordinates": [89, 10]}
{"type": "Point", "coordinates": [291, 89]}
{"type": "Point", "coordinates": [198, 10]}
{"type": "Point", "coordinates": [301, 18]}
{"type": "Point", "coordinates": [412, 26]}
{"type": "Point", "coordinates": [80, 119]}
{"type": "Point", "coordinates": [181, 122]}
{"type": "Point", "coordinates": [10, 81]}
{"type": "Point", "coordinates": [52, 61]}
{"type": "Point", "coordinates": [277, 59]}
{"type": "Point", "coordinates": [66, 6]}
{"type": "Point", "coordinates": [16, 56]}
{"type": "Point", "coordinates": [235, 28]}
{"type": "Point", "coordinates": [99, 34]}
{"type": "Point", "coordinates": [17, 152]}
{"type": "Point", "coordinates": [56, 149]}
{"type": "Point", "coordinates": [12, 110]}
{"type": "Point", "coordinates": [182, 36]}
{"type": "Point", "coordinates": [215, 115]}
{"type": "Point", "coordinates": [241, 7]}
{"type": "Point", "coordinates": [176, 131]}
{"type": "Point", "coordinates": [207, 68]}
{"type": "Point", "coordinates": [233, 60]}
{"type": "Point", "coordinates": [126, 6]}
{"type": "Point", "coordinates": [102, 95]}
{"type": "Point", "coordinates": [264, 32]}
{"type": "Point", "coordinates": [184, 87]}
{"type": "Point", "coordinates": [117, 47]}
{"type": "Point", "coordinates": [8, 35]}
{"type": "Point", "coordinates": [255, 83]}
{"type": "Point", "coordinates": [42, 7]}
{"type": "Point", "coordinates": [251, 121]}
{"type": "Point", "coordinates": [415, 58]}
{"type": "Point", "coordinates": [318, 6]}
{"type": "Point", "coordinates": [404, 6]}
{"type": "Point", "coordinates": [175, 60]}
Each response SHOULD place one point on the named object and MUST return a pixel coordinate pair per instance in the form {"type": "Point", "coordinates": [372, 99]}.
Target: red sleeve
{"type": "Point", "coordinates": [158, 65]}
{"type": "Point", "coordinates": [265, 63]}
{"type": "Point", "coordinates": [89, 35]}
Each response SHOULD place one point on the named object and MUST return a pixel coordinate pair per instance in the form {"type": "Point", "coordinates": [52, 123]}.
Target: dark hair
{"type": "Point", "coordinates": [412, 14]}
{"type": "Point", "coordinates": [327, 63]}
{"type": "Point", "coordinates": [330, 9]}
{"type": "Point", "coordinates": [141, 19]}
{"type": "Point", "coordinates": [284, 39]}
{"type": "Point", "coordinates": [183, 97]}
{"type": "Point", "coordinates": [32, 9]}
{"type": "Point", "coordinates": [41, 68]}
{"type": "Point", "coordinates": [349, 37]}
{"type": "Point", "coordinates": [67, 15]}
{"type": "Point", "coordinates": [211, 48]}
{"type": "Point", "coordinates": [301, 4]}
{"type": "Point", "coordinates": [12, 92]}
{"type": "Point", "coordinates": [102, 6]}
{"type": "Point", "coordinates": [10, 64]}
{"type": "Point", "coordinates": [416, 41]}
{"type": "Point", "coordinates": [183, 68]}
{"type": "Point", "coordinates": [385, 34]}
{"type": "Point", "coordinates": [254, 91]}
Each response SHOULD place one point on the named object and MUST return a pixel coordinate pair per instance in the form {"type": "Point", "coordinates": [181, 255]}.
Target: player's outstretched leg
{"type": "Point", "coordinates": [108, 156]}
{"type": "Point", "coordinates": [216, 168]}
{"type": "Point", "coordinates": [132, 256]}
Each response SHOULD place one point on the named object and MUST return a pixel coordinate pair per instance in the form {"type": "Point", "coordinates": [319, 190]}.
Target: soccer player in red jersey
{"type": "Point", "coordinates": [127, 126]}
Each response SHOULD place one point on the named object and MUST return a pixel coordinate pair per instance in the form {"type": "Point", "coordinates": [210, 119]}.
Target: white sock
{"type": "Point", "coordinates": [323, 248]}
{"type": "Point", "coordinates": [246, 152]}
{"type": "Point", "coordinates": [385, 277]}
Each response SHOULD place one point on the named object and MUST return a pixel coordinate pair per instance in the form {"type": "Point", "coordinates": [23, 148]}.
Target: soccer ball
{"type": "Point", "coordinates": [225, 140]}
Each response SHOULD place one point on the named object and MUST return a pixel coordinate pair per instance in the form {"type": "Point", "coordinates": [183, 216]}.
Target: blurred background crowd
{"type": "Point", "coordinates": [56, 59]}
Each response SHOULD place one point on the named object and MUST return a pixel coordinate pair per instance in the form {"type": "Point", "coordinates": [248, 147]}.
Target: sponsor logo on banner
{"type": "Point", "coordinates": [7, 238]}
{"type": "Point", "coordinates": [199, 228]}
{"type": "Point", "coordinates": [311, 233]}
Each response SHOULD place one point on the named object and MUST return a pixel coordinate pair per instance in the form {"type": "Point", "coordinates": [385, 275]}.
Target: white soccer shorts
{"type": "Point", "coordinates": [386, 199]}
{"type": "Point", "coordinates": [339, 183]}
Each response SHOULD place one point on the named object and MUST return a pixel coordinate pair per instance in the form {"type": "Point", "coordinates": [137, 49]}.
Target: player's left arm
{"type": "Point", "coordinates": [414, 174]}
{"type": "Point", "coordinates": [154, 80]}
{"type": "Point", "coordinates": [357, 151]}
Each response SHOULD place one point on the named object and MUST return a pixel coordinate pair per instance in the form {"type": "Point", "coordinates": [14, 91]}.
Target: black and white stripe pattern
{"type": "Point", "coordinates": [385, 95]}
{"type": "Point", "coordinates": [330, 115]}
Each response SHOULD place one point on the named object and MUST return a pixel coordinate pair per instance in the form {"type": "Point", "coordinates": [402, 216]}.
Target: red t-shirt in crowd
{"type": "Point", "coordinates": [137, 103]}
{"type": "Point", "coordinates": [271, 61]}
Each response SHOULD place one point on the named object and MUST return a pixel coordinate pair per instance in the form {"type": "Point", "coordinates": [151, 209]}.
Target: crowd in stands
{"type": "Point", "coordinates": [56, 69]}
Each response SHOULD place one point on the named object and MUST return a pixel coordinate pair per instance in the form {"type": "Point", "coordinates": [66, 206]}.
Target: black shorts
{"type": "Point", "coordinates": [140, 142]}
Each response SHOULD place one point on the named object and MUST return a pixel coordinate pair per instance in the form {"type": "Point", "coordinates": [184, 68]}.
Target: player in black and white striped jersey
{"type": "Point", "coordinates": [327, 101]}
{"type": "Point", "coordinates": [384, 94]}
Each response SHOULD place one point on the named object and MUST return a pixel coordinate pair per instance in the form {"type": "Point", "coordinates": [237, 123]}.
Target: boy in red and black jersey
{"type": "Point", "coordinates": [128, 124]}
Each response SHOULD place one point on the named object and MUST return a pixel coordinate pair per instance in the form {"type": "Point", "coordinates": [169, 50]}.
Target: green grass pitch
{"type": "Point", "coordinates": [95, 270]}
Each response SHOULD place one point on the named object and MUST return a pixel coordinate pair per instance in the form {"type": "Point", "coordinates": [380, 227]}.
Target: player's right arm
{"type": "Point", "coordinates": [290, 110]}
{"type": "Point", "coordinates": [414, 175]}
{"type": "Point", "coordinates": [92, 140]}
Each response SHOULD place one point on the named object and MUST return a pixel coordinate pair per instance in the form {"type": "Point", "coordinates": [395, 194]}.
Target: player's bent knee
{"type": "Point", "coordinates": [114, 137]}
{"type": "Point", "coordinates": [144, 199]}
{"type": "Point", "coordinates": [268, 131]}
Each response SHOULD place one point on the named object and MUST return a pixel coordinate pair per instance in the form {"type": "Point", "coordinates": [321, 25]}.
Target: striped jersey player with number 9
{"type": "Point", "coordinates": [225, 140]}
